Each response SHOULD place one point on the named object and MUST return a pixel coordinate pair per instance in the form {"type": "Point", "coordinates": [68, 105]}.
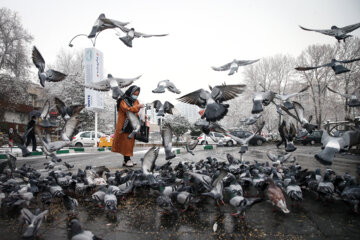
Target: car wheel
{"type": "Point", "coordinates": [304, 143]}
{"type": "Point", "coordinates": [312, 142]}
{"type": "Point", "coordinates": [229, 144]}
{"type": "Point", "coordinates": [203, 143]}
{"type": "Point", "coordinates": [259, 142]}
{"type": "Point", "coordinates": [78, 145]}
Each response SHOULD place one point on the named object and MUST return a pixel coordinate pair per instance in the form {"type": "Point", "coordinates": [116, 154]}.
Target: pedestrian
{"type": "Point", "coordinates": [31, 134]}
{"type": "Point", "coordinates": [282, 127]}
{"type": "Point", "coordinates": [121, 143]}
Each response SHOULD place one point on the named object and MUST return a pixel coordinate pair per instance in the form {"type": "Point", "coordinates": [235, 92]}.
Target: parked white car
{"type": "Point", "coordinates": [86, 139]}
{"type": "Point", "coordinates": [219, 137]}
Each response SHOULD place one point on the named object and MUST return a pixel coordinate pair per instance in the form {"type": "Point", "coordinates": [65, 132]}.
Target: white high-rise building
{"type": "Point", "coordinates": [189, 111]}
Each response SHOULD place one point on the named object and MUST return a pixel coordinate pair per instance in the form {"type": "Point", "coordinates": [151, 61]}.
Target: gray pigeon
{"type": "Point", "coordinates": [215, 110]}
{"type": "Point", "coordinates": [131, 34]}
{"type": "Point", "coordinates": [262, 98]}
{"type": "Point", "coordinates": [78, 233]}
{"type": "Point", "coordinates": [252, 119]}
{"type": "Point", "coordinates": [166, 84]}
{"type": "Point", "coordinates": [166, 134]}
{"type": "Point", "coordinates": [234, 65]}
{"type": "Point", "coordinates": [20, 141]}
{"type": "Point", "coordinates": [148, 161]}
{"type": "Point", "coordinates": [334, 64]}
{"type": "Point", "coordinates": [110, 82]}
{"type": "Point", "coordinates": [353, 99]}
{"type": "Point", "coordinates": [241, 204]}
{"type": "Point", "coordinates": [161, 109]}
{"type": "Point", "coordinates": [102, 23]}
{"type": "Point", "coordinates": [338, 33]}
{"type": "Point", "coordinates": [67, 111]}
{"type": "Point", "coordinates": [33, 221]}
{"type": "Point", "coordinates": [281, 158]}
{"type": "Point", "coordinates": [285, 97]}
{"type": "Point", "coordinates": [50, 75]}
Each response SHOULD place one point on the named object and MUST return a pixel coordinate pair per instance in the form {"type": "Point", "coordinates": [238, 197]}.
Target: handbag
{"type": "Point", "coordinates": [143, 134]}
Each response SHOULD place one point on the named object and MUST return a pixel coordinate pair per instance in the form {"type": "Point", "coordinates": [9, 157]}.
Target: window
{"type": "Point", "coordinates": [93, 135]}
{"type": "Point", "coordinates": [247, 134]}
{"type": "Point", "coordinates": [218, 135]}
{"type": "Point", "coordinates": [85, 135]}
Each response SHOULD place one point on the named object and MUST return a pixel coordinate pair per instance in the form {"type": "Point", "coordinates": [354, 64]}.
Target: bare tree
{"type": "Point", "coordinates": [14, 60]}
{"type": "Point", "coordinates": [317, 79]}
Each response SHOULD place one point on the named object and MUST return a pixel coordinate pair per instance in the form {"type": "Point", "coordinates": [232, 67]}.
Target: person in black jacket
{"type": "Point", "coordinates": [282, 128]}
{"type": "Point", "coordinates": [31, 135]}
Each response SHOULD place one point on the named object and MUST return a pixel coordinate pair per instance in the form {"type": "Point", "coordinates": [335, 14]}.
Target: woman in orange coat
{"type": "Point", "coordinates": [121, 143]}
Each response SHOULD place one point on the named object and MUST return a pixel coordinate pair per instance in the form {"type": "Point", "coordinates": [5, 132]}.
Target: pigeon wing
{"type": "Point", "coordinates": [246, 62]}
{"type": "Point", "coordinates": [271, 156]}
{"type": "Point", "coordinates": [299, 110]}
{"type": "Point", "coordinates": [60, 106]}
{"type": "Point", "coordinates": [102, 86]}
{"type": "Point", "coordinates": [125, 82]}
{"type": "Point", "coordinates": [26, 216]}
{"type": "Point", "coordinates": [326, 31]}
{"type": "Point", "coordinates": [157, 105]}
{"type": "Point", "coordinates": [70, 127]}
{"type": "Point", "coordinates": [341, 94]}
{"type": "Point", "coordinates": [311, 68]}
{"type": "Point", "coordinates": [115, 23]}
{"type": "Point", "coordinates": [351, 28]}
{"type": "Point", "coordinates": [148, 163]}
{"type": "Point", "coordinates": [38, 60]}
{"type": "Point", "coordinates": [222, 68]}
{"type": "Point", "coordinates": [349, 61]}
{"type": "Point", "coordinates": [230, 91]}
{"type": "Point", "coordinates": [144, 35]}
{"type": "Point", "coordinates": [75, 109]}
{"type": "Point", "coordinates": [172, 88]}
{"type": "Point", "coordinates": [194, 98]}
{"type": "Point", "coordinates": [45, 110]}
{"type": "Point", "coordinates": [54, 76]}
{"type": "Point", "coordinates": [168, 107]}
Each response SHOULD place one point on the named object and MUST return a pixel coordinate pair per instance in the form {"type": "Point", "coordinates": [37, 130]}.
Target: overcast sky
{"type": "Point", "coordinates": [202, 33]}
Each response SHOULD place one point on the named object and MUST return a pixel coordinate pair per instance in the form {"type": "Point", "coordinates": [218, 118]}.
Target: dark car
{"type": "Point", "coordinates": [312, 138]}
{"type": "Point", "coordinates": [256, 140]}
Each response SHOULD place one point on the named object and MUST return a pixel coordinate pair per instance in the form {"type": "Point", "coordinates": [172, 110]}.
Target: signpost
{"type": "Point", "coordinates": [94, 100]}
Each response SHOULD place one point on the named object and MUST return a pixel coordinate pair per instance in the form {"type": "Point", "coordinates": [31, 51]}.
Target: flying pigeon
{"type": "Point", "coordinates": [262, 98]}
{"type": "Point", "coordinates": [252, 119]}
{"type": "Point", "coordinates": [234, 65]}
{"type": "Point", "coordinates": [166, 84]}
{"type": "Point", "coordinates": [212, 101]}
{"type": "Point", "coordinates": [334, 64]}
{"type": "Point", "coordinates": [50, 75]}
{"type": "Point", "coordinates": [161, 109]}
{"type": "Point", "coordinates": [103, 23]}
{"type": "Point", "coordinates": [338, 33]}
{"type": "Point", "coordinates": [67, 111]}
{"type": "Point", "coordinates": [353, 99]}
{"type": "Point", "coordinates": [131, 34]}
{"type": "Point", "coordinates": [285, 97]}
{"type": "Point", "coordinates": [110, 82]}
{"type": "Point", "coordinates": [33, 221]}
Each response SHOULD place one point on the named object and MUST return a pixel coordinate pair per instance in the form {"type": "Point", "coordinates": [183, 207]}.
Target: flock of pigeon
{"type": "Point", "coordinates": [188, 183]}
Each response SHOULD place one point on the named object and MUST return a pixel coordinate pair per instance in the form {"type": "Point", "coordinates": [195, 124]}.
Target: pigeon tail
{"type": "Point", "coordinates": [127, 40]}
{"type": "Point", "coordinates": [340, 69]}
{"type": "Point", "coordinates": [215, 112]}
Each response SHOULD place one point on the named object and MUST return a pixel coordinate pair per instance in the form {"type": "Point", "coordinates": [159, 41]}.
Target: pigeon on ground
{"type": "Point", "coordinates": [338, 33]}
{"type": "Point", "coordinates": [281, 158]}
{"type": "Point", "coordinates": [353, 100]}
{"type": "Point", "coordinates": [215, 110]}
{"type": "Point", "coordinates": [334, 64]}
{"type": "Point", "coordinates": [33, 221]}
{"type": "Point", "coordinates": [166, 84]}
{"type": "Point", "coordinates": [20, 141]}
{"type": "Point", "coordinates": [102, 23]}
{"type": "Point", "coordinates": [131, 34]}
{"type": "Point", "coordinates": [78, 233]}
{"type": "Point", "coordinates": [50, 75]}
{"type": "Point", "coordinates": [241, 204]}
{"type": "Point", "coordinates": [234, 65]}
{"type": "Point", "coordinates": [276, 196]}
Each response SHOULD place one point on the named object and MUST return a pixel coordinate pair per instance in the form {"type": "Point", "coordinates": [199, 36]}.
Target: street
{"type": "Point", "coordinates": [139, 218]}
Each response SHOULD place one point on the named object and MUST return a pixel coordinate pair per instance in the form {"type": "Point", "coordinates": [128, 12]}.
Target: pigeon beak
{"type": "Point", "coordinates": [290, 147]}
{"type": "Point", "coordinates": [257, 107]}
{"type": "Point", "coordinates": [326, 156]}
